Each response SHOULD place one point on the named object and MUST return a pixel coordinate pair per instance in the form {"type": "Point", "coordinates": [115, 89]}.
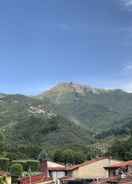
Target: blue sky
{"type": "Point", "coordinates": [44, 42]}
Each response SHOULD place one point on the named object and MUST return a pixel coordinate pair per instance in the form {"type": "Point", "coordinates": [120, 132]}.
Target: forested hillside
{"type": "Point", "coordinates": [89, 107]}
{"type": "Point", "coordinates": [67, 116]}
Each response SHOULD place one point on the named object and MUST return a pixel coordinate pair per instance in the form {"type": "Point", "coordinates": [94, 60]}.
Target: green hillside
{"type": "Point", "coordinates": [29, 124]}
{"type": "Point", "coordinates": [89, 107]}
{"type": "Point", "coordinates": [53, 132]}
{"type": "Point", "coordinates": [67, 115]}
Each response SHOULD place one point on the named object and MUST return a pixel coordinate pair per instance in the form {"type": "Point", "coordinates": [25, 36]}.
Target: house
{"type": "Point", "coordinates": [122, 169]}
{"type": "Point", "coordinates": [120, 173]}
{"type": "Point", "coordinates": [53, 170]}
{"type": "Point", "coordinates": [51, 173]}
{"type": "Point", "coordinates": [87, 172]}
{"type": "Point", "coordinates": [93, 169]}
{"type": "Point", "coordinates": [6, 176]}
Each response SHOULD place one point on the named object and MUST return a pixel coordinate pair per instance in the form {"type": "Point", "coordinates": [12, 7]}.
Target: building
{"type": "Point", "coordinates": [93, 169]}
{"type": "Point", "coordinates": [122, 169]}
{"type": "Point", "coordinates": [54, 170]}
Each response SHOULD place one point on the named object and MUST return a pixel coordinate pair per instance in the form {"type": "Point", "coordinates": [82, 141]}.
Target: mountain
{"type": "Point", "coordinates": [93, 108]}
{"type": "Point", "coordinates": [14, 108]}
{"type": "Point", "coordinates": [67, 115]}
{"type": "Point", "coordinates": [50, 132]}
{"type": "Point", "coordinates": [27, 121]}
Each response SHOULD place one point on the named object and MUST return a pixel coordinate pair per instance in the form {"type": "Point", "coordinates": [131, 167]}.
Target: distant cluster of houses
{"type": "Point", "coordinates": [98, 171]}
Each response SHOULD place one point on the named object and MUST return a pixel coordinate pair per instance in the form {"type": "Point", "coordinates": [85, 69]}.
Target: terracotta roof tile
{"type": "Point", "coordinates": [84, 163]}
{"type": "Point", "coordinates": [57, 168]}
{"type": "Point", "coordinates": [3, 173]}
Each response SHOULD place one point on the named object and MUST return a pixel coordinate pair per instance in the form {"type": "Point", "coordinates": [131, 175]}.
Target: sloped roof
{"type": "Point", "coordinates": [54, 165]}
{"type": "Point", "coordinates": [84, 163]}
{"type": "Point", "coordinates": [121, 165]}
{"type": "Point", "coordinates": [3, 173]}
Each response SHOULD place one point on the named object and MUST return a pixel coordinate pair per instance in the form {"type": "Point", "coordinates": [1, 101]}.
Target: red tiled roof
{"type": "Point", "coordinates": [85, 163]}
{"type": "Point", "coordinates": [129, 163]}
{"type": "Point", "coordinates": [34, 179]}
{"type": "Point", "coordinates": [57, 168]}
{"type": "Point", "coordinates": [116, 166]}
{"type": "Point", "coordinates": [73, 167]}
{"type": "Point", "coordinates": [3, 173]}
{"type": "Point", "coordinates": [121, 165]}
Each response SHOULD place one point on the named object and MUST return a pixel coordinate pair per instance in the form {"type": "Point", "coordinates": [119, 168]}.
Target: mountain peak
{"type": "Point", "coordinates": [69, 87]}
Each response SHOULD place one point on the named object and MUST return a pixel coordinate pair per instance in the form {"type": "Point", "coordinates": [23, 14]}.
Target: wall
{"type": "Point", "coordinates": [93, 170]}
{"type": "Point", "coordinates": [57, 174]}
{"type": "Point", "coordinates": [8, 178]}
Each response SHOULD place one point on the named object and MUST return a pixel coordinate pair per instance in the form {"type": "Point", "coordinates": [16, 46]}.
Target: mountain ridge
{"type": "Point", "coordinates": [78, 114]}
{"type": "Point", "coordinates": [76, 87]}
{"type": "Point", "coordinates": [87, 106]}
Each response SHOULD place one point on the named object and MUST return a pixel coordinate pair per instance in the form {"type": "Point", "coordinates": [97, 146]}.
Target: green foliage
{"type": "Point", "coordinates": [3, 180]}
{"type": "Point", "coordinates": [91, 108]}
{"type": "Point", "coordinates": [4, 164]}
{"type": "Point", "coordinates": [27, 165]}
{"type": "Point", "coordinates": [65, 133]}
{"type": "Point", "coordinates": [16, 170]}
{"type": "Point", "coordinates": [58, 157]}
{"type": "Point", "coordinates": [32, 165]}
{"type": "Point", "coordinates": [43, 155]}
{"type": "Point", "coordinates": [20, 162]}
{"type": "Point", "coordinates": [30, 124]}
{"type": "Point", "coordinates": [69, 156]}
{"type": "Point", "coordinates": [2, 143]}
{"type": "Point", "coordinates": [121, 149]}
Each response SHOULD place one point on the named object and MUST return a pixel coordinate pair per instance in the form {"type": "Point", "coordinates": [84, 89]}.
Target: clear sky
{"type": "Point", "coordinates": [44, 42]}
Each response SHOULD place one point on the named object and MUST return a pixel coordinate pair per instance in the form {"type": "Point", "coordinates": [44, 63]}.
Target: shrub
{"type": "Point", "coordinates": [16, 170]}
{"type": "Point", "coordinates": [4, 164]}
{"type": "Point", "coordinates": [22, 162]}
{"type": "Point", "coordinates": [33, 165]}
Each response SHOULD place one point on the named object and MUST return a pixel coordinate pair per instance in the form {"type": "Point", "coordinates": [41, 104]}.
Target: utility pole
{"type": "Point", "coordinates": [29, 171]}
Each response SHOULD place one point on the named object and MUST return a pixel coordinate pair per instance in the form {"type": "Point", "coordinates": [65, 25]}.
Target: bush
{"type": "Point", "coordinates": [33, 165]}
{"type": "Point", "coordinates": [22, 162]}
{"type": "Point", "coordinates": [3, 180]}
{"type": "Point", "coordinates": [16, 170]}
{"type": "Point", "coordinates": [28, 164]}
{"type": "Point", "coordinates": [4, 164]}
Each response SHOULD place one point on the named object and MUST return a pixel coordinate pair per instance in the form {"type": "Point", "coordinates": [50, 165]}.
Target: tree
{"type": "Point", "coordinates": [68, 156]}
{"type": "Point", "coordinates": [3, 180]}
{"type": "Point", "coordinates": [4, 164]}
{"type": "Point", "coordinates": [121, 149]}
{"type": "Point", "coordinates": [118, 150]}
{"type": "Point", "coordinates": [78, 157]}
{"type": "Point", "coordinates": [58, 156]}
{"type": "Point", "coordinates": [2, 143]}
{"type": "Point", "coordinates": [43, 155]}
{"type": "Point", "coordinates": [16, 170]}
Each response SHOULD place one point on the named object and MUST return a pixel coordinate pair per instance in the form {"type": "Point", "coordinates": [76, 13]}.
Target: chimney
{"type": "Point", "coordinates": [44, 168]}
